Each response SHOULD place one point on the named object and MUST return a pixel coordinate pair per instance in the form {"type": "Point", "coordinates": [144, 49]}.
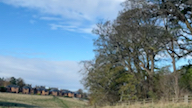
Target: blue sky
{"type": "Point", "coordinates": [42, 41]}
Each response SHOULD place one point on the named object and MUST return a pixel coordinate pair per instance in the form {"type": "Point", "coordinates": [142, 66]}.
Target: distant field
{"type": "Point", "coordinates": [25, 100]}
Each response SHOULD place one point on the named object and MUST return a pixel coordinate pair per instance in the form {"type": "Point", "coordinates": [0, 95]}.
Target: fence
{"type": "Point", "coordinates": [181, 102]}
{"type": "Point", "coordinates": [184, 100]}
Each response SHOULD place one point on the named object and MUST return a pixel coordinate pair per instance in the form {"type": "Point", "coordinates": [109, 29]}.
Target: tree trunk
{"type": "Point", "coordinates": [176, 86]}
{"type": "Point", "coordinates": [121, 98]}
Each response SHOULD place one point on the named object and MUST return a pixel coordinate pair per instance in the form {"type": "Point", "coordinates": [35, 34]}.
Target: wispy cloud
{"type": "Point", "coordinates": [21, 52]}
{"type": "Point", "coordinates": [71, 9]}
{"type": "Point", "coordinates": [85, 12]}
{"type": "Point", "coordinates": [51, 18]}
{"type": "Point", "coordinates": [86, 30]}
{"type": "Point", "coordinates": [57, 26]}
{"type": "Point", "coordinates": [32, 21]}
{"type": "Point", "coordinates": [62, 74]}
{"type": "Point", "coordinates": [72, 28]}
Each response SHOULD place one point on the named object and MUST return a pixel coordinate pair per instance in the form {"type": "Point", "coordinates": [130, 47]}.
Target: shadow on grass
{"type": "Point", "coordinates": [12, 104]}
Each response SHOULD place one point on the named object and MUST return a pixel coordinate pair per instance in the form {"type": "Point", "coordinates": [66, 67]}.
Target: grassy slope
{"type": "Point", "coordinates": [23, 100]}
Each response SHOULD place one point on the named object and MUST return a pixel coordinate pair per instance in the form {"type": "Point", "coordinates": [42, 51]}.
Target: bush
{"type": "Point", "coordinates": [3, 89]}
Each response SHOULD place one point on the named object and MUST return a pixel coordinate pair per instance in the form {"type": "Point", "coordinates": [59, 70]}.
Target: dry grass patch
{"type": "Point", "coordinates": [39, 100]}
{"type": "Point", "coordinates": [158, 105]}
{"type": "Point", "coordinates": [73, 100]}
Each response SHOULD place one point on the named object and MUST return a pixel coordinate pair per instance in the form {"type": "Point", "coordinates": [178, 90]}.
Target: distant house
{"type": "Point", "coordinates": [44, 92]}
{"type": "Point", "coordinates": [26, 89]}
{"type": "Point", "coordinates": [39, 90]}
{"type": "Point", "coordinates": [66, 93]}
{"type": "Point", "coordinates": [33, 91]}
{"type": "Point", "coordinates": [54, 92]}
{"type": "Point", "coordinates": [71, 94]}
{"type": "Point", "coordinates": [13, 88]}
{"type": "Point", "coordinates": [63, 92]}
{"type": "Point", "coordinates": [77, 95]}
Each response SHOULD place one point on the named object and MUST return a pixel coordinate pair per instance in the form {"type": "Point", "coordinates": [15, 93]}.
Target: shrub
{"type": "Point", "coordinates": [3, 89]}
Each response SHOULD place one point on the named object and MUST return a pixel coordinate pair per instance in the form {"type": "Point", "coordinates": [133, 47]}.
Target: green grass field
{"type": "Point", "coordinates": [11, 100]}
{"type": "Point", "coordinates": [25, 100]}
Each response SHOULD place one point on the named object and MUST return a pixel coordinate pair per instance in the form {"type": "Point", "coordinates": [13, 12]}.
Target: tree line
{"type": "Point", "coordinates": [12, 81]}
{"type": "Point", "coordinates": [131, 53]}
{"type": "Point", "coordinates": [4, 82]}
